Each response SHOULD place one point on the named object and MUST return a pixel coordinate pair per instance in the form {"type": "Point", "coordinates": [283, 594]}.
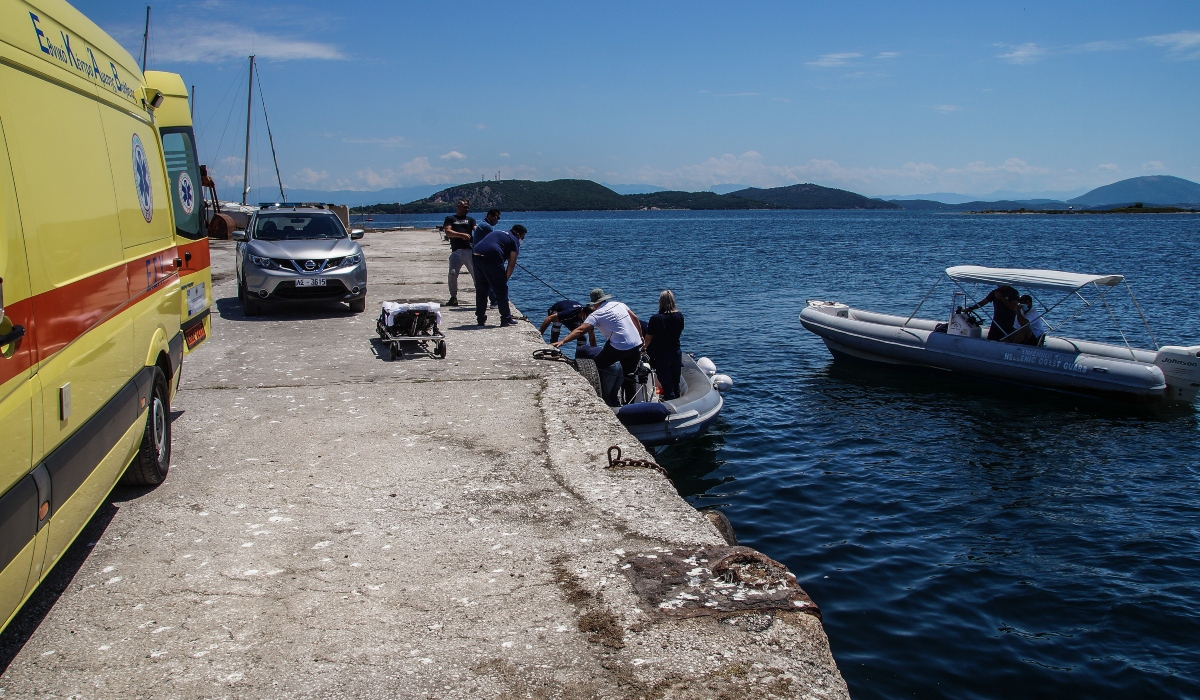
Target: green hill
{"type": "Point", "coordinates": [585, 195]}
{"type": "Point", "coordinates": [1159, 189]}
{"type": "Point", "coordinates": [809, 196]}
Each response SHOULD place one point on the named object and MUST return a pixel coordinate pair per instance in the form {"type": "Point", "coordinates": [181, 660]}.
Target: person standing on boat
{"type": "Point", "coordinates": [1033, 328]}
{"type": "Point", "coordinates": [662, 345]}
{"type": "Point", "coordinates": [623, 339]}
{"type": "Point", "coordinates": [491, 253]}
{"type": "Point", "coordinates": [1004, 301]}
{"type": "Point", "coordinates": [458, 229]}
{"type": "Point", "coordinates": [569, 313]}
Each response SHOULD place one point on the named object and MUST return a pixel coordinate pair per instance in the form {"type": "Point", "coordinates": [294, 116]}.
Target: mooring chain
{"type": "Point", "coordinates": [554, 355]}
{"type": "Point", "coordinates": [618, 463]}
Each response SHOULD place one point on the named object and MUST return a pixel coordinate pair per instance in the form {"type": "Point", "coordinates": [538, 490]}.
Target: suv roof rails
{"type": "Point", "coordinates": [293, 205]}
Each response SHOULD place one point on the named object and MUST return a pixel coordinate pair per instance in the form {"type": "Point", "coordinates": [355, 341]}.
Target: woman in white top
{"type": "Point", "coordinates": [622, 339]}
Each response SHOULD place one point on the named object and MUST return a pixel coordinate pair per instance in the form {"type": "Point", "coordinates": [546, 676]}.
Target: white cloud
{"type": "Point", "coordinates": [311, 177]}
{"type": "Point", "coordinates": [218, 42]}
{"type": "Point", "coordinates": [750, 168]}
{"type": "Point", "coordinates": [1023, 54]}
{"type": "Point", "coordinates": [1153, 165]}
{"type": "Point", "coordinates": [1182, 45]}
{"type": "Point", "coordinates": [831, 60]}
{"type": "Point", "coordinates": [946, 108]}
{"type": "Point", "coordinates": [504, 154]}
{"type": "Point", "coordinates": [452, 155]}
{"type": "Point", "coordinates": [481, 126]}
{"type": "Point", "coordinates": [885, 55]}
{"type": "Point", "coordinates": [1109, 167]}
{"type": "Point", "coordinates": [382, 142]}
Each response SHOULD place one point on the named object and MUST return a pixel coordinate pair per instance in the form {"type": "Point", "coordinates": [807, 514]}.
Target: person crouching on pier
{"type": "Point", "coordinates": [569, 313]}
{"type": "Point", "coordinates": [623, 344]}
{"type": "Point", "coordinates": [491, 253]}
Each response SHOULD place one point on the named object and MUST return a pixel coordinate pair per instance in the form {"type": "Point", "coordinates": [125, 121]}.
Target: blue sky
{"type": "Point", "coordinates": [879, 98]}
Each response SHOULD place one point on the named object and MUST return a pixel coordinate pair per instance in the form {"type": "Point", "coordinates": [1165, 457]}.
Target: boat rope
{"type": "Point", "coordinates": [270, 138]}
{"type": "Point", "coordinates": [1138, 306]}
{"type": "Point", "coordinates": [630, 463]}
{"type": "Point", "coordinates": [553, 355]}
{"type": "Point", "coordinates": [539, 279]}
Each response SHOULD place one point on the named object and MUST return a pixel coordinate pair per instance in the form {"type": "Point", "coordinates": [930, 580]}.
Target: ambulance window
{"type": "Point", "coordinates": [186, 195]}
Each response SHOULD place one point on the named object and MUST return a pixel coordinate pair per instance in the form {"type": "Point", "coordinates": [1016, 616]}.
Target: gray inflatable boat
{"type": "Point", "coordinates": [1169, 374]}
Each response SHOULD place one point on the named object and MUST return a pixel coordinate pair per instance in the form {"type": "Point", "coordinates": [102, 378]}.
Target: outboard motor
{"type": "Point", "coordinates": [1181, 368]}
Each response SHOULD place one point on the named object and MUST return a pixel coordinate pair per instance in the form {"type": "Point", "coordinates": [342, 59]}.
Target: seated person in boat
{"type": "Point", "coordinates": [662, 344]}
{"type": "Point", "coordinates": [569, 313]}
{"type": "Point", "coordinates": [1004, 300]}
{"type": "Point", "coordinates": [623, 333]}
{"type": "Point", "coordinates": [1033, 328]}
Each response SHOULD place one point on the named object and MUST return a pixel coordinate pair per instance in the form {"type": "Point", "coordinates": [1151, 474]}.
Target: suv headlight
{"type": "Point", "coordinates": [266, 263]}
{"type": "Point", "coordinates": [351, 260]}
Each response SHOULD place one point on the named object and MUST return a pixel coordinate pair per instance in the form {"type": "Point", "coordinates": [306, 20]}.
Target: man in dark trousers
{"type": "Point", "coordinates": [458, 229]}
{"type": "Point", "coordinates": [491, 253]}
{"type": "Point", "coordinates": [569, 313]}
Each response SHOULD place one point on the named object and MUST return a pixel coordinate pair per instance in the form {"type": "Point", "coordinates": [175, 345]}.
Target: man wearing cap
{"type": "Point", "coordinates": [623, 339]}
{"type": "Point", "coordinates": [458, 229]}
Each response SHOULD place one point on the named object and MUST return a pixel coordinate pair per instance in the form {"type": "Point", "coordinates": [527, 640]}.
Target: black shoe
{"type": "Point", "coordinates": [509, 322]}
{"type": "Point", "coordinates": [481, 322]}
{"type": "Point", "coordinates": [453, 301]}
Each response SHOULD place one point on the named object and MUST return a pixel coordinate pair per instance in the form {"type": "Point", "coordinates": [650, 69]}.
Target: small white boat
{"type": "Point", "coordinates": [654, 421]}
{"type": "Point", "coordinates": [1168, 374]}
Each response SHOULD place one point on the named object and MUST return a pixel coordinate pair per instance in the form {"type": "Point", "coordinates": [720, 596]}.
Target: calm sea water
{"type": "Point", "coordinates": [962, 540]}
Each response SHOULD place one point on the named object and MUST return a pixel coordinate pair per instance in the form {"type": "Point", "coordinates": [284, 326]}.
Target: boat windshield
{"type": "Point", "coordinates": [297, 227]}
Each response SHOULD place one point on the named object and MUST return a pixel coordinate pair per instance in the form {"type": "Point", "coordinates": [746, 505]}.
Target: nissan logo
{"type": "Point", "coordinates": [310, 265]}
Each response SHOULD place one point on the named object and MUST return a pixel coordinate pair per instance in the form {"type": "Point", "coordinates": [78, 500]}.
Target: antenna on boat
{"type": "Point", "coordinates": [145, 38]}
{"type": "Point", "coordinates": [271, 139]}
{"type": "Point", "coordinates": [249, 105]}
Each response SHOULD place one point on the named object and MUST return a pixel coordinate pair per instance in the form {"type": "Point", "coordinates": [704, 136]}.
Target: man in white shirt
{"type": "Point", "coordinates": [622, 339]}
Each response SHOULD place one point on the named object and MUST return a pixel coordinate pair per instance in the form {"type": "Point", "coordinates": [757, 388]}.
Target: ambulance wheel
{"type": "Point", "coordinates": [357, 306]}
{"type": "Point", "coordinates": [439, 351]}
{"type": "Point", "coordinates": [590, 372]}
{"type": "Point", "coordinates": [149, 467]}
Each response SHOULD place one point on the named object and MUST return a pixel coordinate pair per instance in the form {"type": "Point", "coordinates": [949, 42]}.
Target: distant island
{"type": "Point", "coordinates": [1151, 194]}
{"type": "Point", "coordinates": [585, 195]}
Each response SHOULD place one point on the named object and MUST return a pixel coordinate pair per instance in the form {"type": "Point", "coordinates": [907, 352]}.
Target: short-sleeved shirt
{"type": "Point", "coordinates": [482, 229]}
{"type": "Point", "coordinates": [664, 332]}
{"type": "Point", "coordinates": [569, 313]}
{"type": "Point", "coordinates": [1036, 325]}
{"type": "Point", "coordinates": [464, 225]}
{"type": "Point", "coordinates": [613, 320]}
{"type": "Point", "coordinates": [1002, 316]}
{"type": "Point", "coordinates": [497, 246]}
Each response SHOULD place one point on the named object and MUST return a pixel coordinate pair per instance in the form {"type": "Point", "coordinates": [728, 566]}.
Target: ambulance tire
{"type": "Point", "coordinates": [149, 467]}
{"type": "Point", "coordinates": [590, 372]}
{"type": "Point", "coordinates": [357, 306]}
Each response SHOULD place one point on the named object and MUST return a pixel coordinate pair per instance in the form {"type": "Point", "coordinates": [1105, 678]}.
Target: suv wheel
{"type": "Point", "coordinates": [358, 306]}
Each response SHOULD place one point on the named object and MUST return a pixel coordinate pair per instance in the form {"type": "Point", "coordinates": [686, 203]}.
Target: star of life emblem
{"type": "Point", "coordinates": [187, 194]}
{"type": "Point", "coordinates": [141, 179]}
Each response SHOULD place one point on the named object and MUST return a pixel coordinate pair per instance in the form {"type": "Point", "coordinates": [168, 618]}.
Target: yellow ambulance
{"type": "Point", "coordinates": [96, 243]}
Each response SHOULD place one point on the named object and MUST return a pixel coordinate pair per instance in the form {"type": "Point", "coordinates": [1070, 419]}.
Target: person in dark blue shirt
{"type": "Point", "coordinates": [491, 254]}
{"type": "Point", "coordinates": [662, 345]}
{"type": "Point", "coordinates": [569, 313]}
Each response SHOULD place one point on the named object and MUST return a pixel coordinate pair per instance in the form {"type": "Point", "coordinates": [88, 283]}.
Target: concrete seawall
{"type": "Point", "coordinates": [336, 525]}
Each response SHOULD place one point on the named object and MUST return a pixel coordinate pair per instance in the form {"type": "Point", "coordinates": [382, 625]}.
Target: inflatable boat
{"type": "Point", "coordinates": [1168, 374]}
{"type": "Point", "coordinates": [649, 418]}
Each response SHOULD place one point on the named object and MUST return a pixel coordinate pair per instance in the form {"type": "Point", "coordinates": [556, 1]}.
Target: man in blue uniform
{"type": "Point", "coordinates": [569, 313]}
{"type": "Point", "coordinates": [491, 254]}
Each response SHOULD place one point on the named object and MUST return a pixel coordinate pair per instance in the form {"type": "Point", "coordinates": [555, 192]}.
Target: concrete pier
{"type": "Point", "coordinates": [336, 525]}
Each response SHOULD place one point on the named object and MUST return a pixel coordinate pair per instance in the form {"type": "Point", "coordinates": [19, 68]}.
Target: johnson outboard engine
{"type": "Point", "coordinates": [1181, 368]}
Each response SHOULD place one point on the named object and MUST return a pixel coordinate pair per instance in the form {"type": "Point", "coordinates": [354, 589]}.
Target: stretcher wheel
{"type": "Point", "coordinates": [393, 352]}
{"type": "Point", "coordinates": [439, 350]}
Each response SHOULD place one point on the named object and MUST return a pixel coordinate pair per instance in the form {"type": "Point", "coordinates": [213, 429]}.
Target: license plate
{"type": "Point", "coordinates": [313, 282]}
{"type": "Point", "coordinates": [197, 299]}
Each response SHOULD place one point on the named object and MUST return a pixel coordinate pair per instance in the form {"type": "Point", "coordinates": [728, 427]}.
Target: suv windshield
{"type": "Point", "coordinates": [297, 227]}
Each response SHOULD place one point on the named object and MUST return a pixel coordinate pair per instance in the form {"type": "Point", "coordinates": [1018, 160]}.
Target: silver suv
{"type": "Point", "coordinates": [291, 254]}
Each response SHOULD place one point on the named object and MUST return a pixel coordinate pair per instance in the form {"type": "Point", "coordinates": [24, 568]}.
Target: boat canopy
{"type": "Point", "coordinates": [1037, 279]}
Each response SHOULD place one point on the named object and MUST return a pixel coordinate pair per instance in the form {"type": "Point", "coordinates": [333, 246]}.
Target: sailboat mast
{"type": "Point", "coordinates": [249, 104]}
{"type": "Point", "coordinates": [145, 38]}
